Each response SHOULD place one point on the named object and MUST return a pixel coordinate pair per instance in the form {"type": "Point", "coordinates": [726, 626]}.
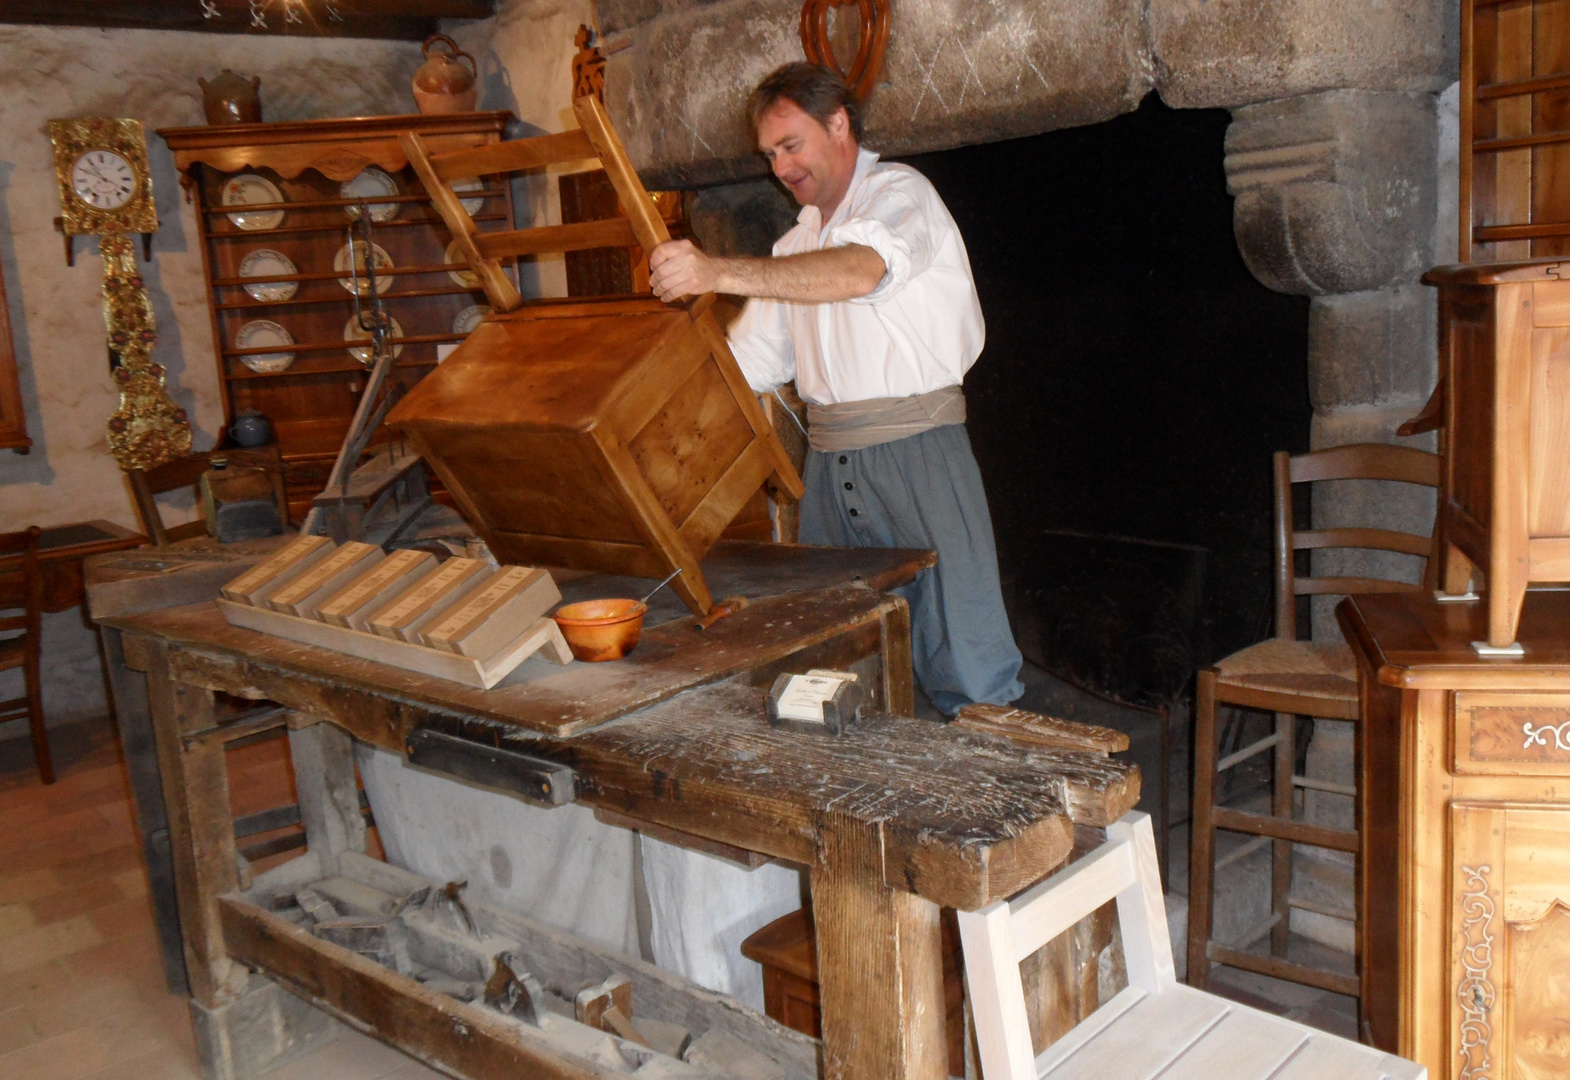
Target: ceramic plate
{"type": "Point", "coordinates": [368, 185]}
{"type": "Point", "coordinates": [352, 332]}
{"type": "Point", "coordinates": [259, 333]}
{"type": "Point", "coordinates": [465, 277]}
{"type": "Point", "coordinates": [383, 262]}
{"type": "Point", "coordinates": [265, 262]}
{"type": "Point", "coordinates": [469, 318]}
{"type": "Point", "coordinates": [470, 183]}
{"type": "Point", "coordinates": [249, 189]}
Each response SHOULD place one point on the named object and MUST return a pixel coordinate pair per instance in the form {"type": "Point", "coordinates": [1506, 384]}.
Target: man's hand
{"type": "Point", "coordinates": [678, 269]}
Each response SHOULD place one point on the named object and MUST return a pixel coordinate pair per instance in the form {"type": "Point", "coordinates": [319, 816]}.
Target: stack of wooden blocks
{"type": "Point", "coordinates": [460, 619]}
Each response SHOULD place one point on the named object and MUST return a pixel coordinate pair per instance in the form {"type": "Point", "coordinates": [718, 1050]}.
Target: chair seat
{"type": "Point", "coordinates": [1303, 668]}
{"type": "Point", "coordinates": [1187, 1034]}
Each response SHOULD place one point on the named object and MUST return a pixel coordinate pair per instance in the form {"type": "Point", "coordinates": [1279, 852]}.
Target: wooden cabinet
{"type": "Point", "coordinates": [1504, 354]}
{"type": "Point", "coordinates": [1464, 881]}
{"type": "Point", "coordinates": [307, 164]}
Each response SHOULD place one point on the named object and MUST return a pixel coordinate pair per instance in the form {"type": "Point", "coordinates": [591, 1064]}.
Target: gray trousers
{"type": "Point", "coordinates": [925, 492]}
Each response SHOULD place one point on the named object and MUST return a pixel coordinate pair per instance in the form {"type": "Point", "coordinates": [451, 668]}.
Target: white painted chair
{"type": "Point", "coordinates": [1155, 1027]}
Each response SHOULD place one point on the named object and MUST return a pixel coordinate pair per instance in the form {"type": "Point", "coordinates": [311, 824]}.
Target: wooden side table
{"type": "Point", "coordinates": [1464, 880]}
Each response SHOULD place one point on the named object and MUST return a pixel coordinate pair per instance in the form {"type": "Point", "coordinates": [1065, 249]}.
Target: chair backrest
{"type": "Point", "coordinates": [1358, 461]}
{"type": "Point", "coordinates": [21, 582]}
{"type": "Point", "coordinates": [1000, 935]}
{"type": "Point", "coordinates": [594, 139]}
{"type": "Point", "coordinates": [186, 472]}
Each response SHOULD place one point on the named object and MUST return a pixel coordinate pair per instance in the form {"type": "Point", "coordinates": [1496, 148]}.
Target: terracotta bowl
{"type": "Point", "coordinates": [601, 629]}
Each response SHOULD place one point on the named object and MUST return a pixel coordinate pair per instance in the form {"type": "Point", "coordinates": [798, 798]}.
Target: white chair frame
{"type": "Point", "coordinates": [1154, 1027]}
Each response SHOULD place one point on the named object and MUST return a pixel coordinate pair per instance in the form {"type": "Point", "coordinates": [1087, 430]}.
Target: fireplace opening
{"type": "Point", "coordinates": [1135, 381]}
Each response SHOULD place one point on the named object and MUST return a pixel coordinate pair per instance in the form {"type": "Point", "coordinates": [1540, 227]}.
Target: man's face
{"type": "Point", "coordinates": [814, 161]}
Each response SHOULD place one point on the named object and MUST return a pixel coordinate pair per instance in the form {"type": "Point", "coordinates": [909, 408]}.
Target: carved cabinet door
{"type": "Point", "coordinates": [1510, 929]}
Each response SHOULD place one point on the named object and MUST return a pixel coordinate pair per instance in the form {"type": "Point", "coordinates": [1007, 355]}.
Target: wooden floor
{"type": "Point", "coordinates": [81, 986]}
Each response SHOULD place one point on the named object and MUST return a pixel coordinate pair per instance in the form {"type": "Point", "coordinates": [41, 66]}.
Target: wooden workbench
{"type": "Point", "coordinates": [896, 819]}
{"type": "Point", "coordinates": [1464, 796]}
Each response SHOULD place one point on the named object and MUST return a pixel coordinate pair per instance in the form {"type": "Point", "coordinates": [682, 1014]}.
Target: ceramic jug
{"type": "Point", "coordinates": [250, 428]}
{"type": "Point", "coordinates": [442, 84]}
{"type": "Point", "coordinates": [232, 99]}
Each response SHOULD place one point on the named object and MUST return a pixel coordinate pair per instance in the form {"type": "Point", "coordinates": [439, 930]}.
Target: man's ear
{"type": "Point", "coordinates": [839, 122]}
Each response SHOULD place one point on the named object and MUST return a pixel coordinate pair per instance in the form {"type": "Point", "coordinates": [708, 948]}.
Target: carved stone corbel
{"type": "Point", "coordinates": [1334, 190]}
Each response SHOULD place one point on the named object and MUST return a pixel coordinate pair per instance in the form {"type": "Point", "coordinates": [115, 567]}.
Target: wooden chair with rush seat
{"type": "Point", "coordinates": [1155, 1027]}
{"type": "Point", "coordinates": [186, 472]}
{"type": "Point", "coordinates": [1289, 678]}
{"type": "Point", "coordinates": [22, 589]}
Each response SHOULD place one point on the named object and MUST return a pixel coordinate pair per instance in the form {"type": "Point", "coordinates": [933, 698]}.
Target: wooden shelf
{"type": "Point", "coordinates": [320, 204]}
{"type": "Point", "coordinates": [347, 367]}
{"type": "Point", "coordinates": [347, 299]}
{"type": "Point", "coordinates": [338, 229]}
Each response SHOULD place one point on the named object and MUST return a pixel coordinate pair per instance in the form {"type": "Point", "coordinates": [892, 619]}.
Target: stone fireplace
{"type": "Point", "coordinates": [1333, 155]}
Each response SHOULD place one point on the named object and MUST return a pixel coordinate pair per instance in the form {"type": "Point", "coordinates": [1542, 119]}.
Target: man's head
{"type": "Point", "coordinates": [809, 127]}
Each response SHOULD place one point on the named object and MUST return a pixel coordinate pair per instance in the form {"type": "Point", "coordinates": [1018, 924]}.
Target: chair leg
{"type": "Point", "coordinates": [1281, 850]}
{"type": "Point", "coordinates": [33, 677]}
{"type": "Point", "coordinates": [1202, 831]}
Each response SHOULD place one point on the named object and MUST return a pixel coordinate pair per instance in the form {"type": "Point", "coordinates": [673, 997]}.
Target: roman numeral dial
{"type": "Point", "coordinates": [103, 179]}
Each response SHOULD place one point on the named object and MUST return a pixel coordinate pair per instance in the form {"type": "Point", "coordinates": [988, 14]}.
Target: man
{"type": "Point", "coordinates": [869, 304]}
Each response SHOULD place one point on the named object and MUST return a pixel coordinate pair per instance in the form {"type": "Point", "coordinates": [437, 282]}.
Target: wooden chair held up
{"type": "Point", "coordinates": [611, 435]}
{"type": "Point", "coordinates": [22, 589]}
{"type": "Point", "coordinates": [1156, 1027]}
{"type": "Point", "coordinates": [1290, 678]}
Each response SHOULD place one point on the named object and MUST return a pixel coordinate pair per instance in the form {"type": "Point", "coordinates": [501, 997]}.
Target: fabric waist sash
{"type": "Point", "coordinates": [854, 425]}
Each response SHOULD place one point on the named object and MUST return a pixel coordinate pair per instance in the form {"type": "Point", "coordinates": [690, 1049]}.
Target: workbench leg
{"type": "Point", "coordinates": [880, 967]}
{"type": "Point", "coordinates": [899, 690]}
{"type": "Point", "coordinates": [323, 756]}
{"type": "Point", "coordinates": [137, 743]}
{"type": "Point", "coordinates": [201, 827]}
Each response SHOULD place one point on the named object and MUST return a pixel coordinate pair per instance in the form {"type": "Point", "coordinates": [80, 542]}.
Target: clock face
{"type": "Point", "coordinates": [103, 179]}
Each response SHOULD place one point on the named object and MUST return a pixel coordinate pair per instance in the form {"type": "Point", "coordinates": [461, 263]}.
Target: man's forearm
{"type": "Point", "coordinates": [841, 273]}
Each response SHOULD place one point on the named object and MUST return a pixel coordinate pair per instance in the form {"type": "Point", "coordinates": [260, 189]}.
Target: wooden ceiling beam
{"type": "Point", "coordinates": [404, 19]}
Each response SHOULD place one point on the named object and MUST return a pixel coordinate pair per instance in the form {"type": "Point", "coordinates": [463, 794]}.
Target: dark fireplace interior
{"type": "Point", "coordinates": [1135, 382]}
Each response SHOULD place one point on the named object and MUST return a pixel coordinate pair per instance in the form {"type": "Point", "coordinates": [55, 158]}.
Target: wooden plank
{"type": "Point", "coordinates": [324, 779]}
{"type": "Point", "coordinates": [1147, 1038]}
{"type": "Point", "coordinates": [367, 594]}
{"type": "Point", "coordinates": [515, 155]}
{"type": "Point", "coordinates": [196, 792]}
{"type": "Point", "coordinates": [1245, 1045]}
{"type": "Point", "coordinates": [514, 598]}
{"type": "Point", "coordinates": [403, 618]}
{"type": "Point", "coordinates": [1548, 512]}
{"type": "Point", "coordinates": [728, 852]}
{"type": "Point", "coordinates": [1296, 831]}
{"type": "Point", "coordinates": [584, 236]}
{"type": "Point", "coordinates": [647, 225]}
{"type": "Point", "coordinates": [880, 974]}
{"type": "Point", "coordinates": [436, 1029]}
{"type": "Point", "coordinates": [301, 594]}
{"type": "Point", "coordinates": [1041, 730]}
{"type": "Point", "coordinates": [897, 676]}
{"type": "Point", "coordinates": [499, 289]}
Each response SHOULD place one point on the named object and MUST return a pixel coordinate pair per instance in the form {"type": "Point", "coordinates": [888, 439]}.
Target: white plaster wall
{"type": "Point", "coordinates": [48, 73]}
{"type": "Point", "coordinates": [524, 53]}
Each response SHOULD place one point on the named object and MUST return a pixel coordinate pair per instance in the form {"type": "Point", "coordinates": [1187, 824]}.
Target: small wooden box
{"type": "Point", "coordinates": [367, 594]}
{"type": "Point", "coordinates": [437, 591]}
{"type": "Point", "coordinates": [253, 586]}
{"type": "Point", "coordinates": [324, 578]}
{"type": "Point", "coordinates": [615, 436]}
{"type": "Point", "coordinates": [494, 613]}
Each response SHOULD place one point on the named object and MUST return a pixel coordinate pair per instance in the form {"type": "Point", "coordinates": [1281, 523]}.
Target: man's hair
{"type": "Point", "coordinates": [818, 91]}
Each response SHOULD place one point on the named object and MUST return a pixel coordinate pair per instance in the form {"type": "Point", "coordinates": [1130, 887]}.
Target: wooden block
{"type": "Point", "coordinates": [496, 612]}
{"type": "Point", "coordinates": [251, 586]}
{"type": "Point", "coordinates": [367, 594]}
{"type": "Point", "coordinates": [324, 578]}
{"type": "Point", "coordinates": [449, 583]}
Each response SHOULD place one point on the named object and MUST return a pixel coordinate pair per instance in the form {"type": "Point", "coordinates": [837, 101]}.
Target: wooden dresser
{"type": "Point", "coordinates": [1464, 881]}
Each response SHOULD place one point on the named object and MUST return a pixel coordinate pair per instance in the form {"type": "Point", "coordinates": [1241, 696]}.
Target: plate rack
{"type": "Point", "coordinates": [312, 402]}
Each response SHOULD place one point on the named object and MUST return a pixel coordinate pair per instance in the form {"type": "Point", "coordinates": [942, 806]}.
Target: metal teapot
{"type": "Point", "coordinates": [232, 99]}
{"type": "Point", "coordinates": [442, 84]}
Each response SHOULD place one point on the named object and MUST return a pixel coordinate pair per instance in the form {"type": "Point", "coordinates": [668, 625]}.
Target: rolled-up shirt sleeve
{"type": "Point", "coordinates": [894, 228]}
{"type": "Point", "coordinates": [760, 341]}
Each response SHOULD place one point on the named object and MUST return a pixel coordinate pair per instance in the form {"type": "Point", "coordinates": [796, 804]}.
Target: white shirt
{"type": "Point", "coordinates": [920, 330]}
